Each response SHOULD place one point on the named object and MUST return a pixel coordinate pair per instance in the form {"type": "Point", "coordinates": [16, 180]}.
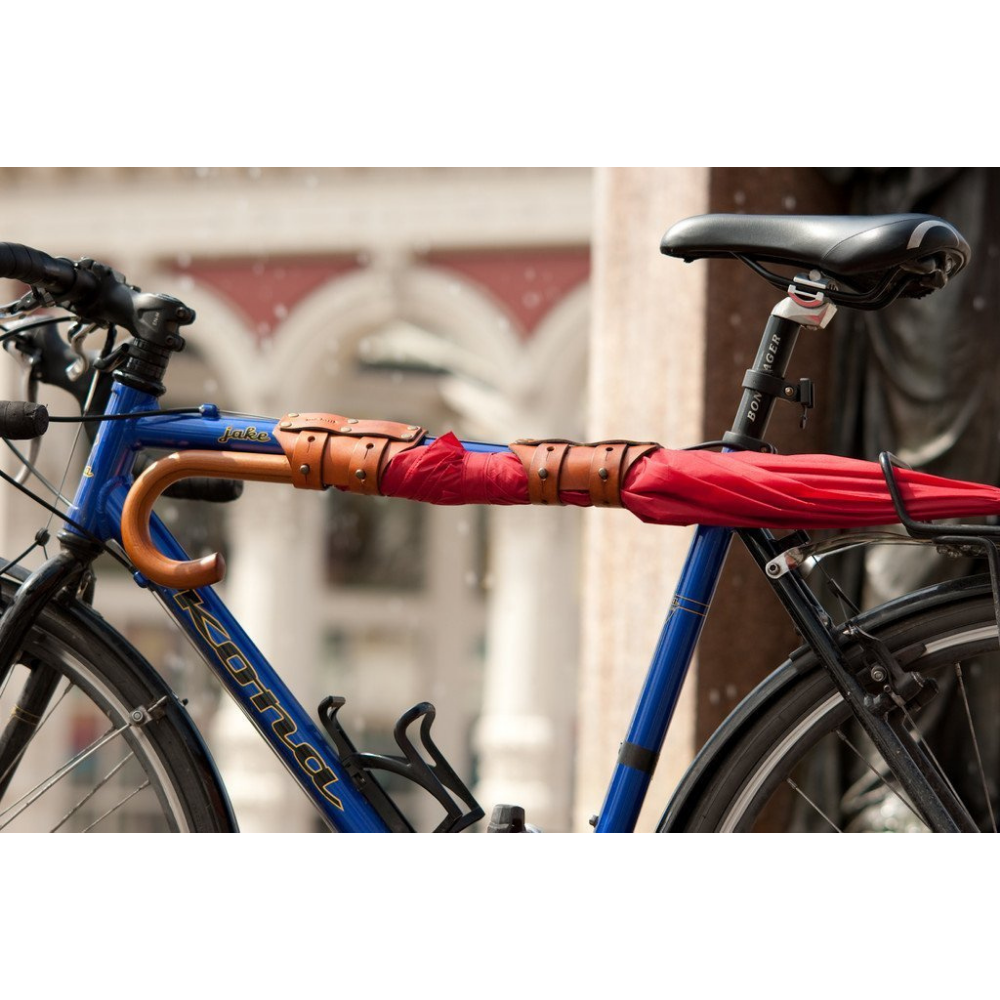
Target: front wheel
{"type": "Point", "coordinates": [791, 756]}
{"type": "Point", "coordinates": [91, 738]}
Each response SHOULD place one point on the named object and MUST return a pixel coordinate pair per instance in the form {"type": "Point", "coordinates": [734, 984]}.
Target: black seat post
{"type": "Point", "coordinates": [804, 306]}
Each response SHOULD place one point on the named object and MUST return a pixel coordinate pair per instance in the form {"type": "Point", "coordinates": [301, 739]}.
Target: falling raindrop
{"type": "Point", "coordinates": [979, 303]}
{"type": "Point", "coordinates": [789, 202]}
{"type": "Point", "coordinates": [732, 691]}
{"type": "Point", "coordinates": [184, 260]}
{"type": "Point", "coordinates": [739, 197]}
{"type": "Point", "coordinates": [281, 310]}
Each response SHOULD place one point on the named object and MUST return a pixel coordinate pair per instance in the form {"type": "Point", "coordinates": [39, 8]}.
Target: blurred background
{"type": "Point", "coordinates": [497, 303]}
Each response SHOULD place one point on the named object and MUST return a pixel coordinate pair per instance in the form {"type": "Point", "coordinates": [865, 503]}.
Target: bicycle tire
{"type": "Point", "coordinates": [152, 776]}
{"type": "Point", "coordinates": [795, 727]}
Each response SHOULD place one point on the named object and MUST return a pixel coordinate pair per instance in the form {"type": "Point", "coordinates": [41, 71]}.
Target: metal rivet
{"type": "Point", "coordinates": [543, 473]}
{"type": "Point", "coordinates": [361, 474]}
{"type": "Point", "coordinates": [352, 420]}
{"type": "Point", "coordinates": [304, 470]}
{"type": "Point", "coordinates": [347, 430]}
{"type": "Point", "coordinates": [286, 423]}
{"type": "Point", "coordinates": [412, 427]}
{"type": "Point", "coordinates": [406, 437]}
{"type": "Point", "coordinates": [603, 473]}
{"type": "Point", "coordinates": [789, 391]}
{"type": "Point", "coordinates": [293, 414]}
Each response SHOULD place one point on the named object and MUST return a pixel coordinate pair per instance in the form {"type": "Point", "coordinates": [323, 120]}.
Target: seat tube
{"type": "Point", "coordinates": [639, 753]}
{"type": "Point", "coordinates": [679, 636]}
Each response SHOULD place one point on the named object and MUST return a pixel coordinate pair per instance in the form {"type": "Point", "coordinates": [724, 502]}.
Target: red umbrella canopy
{"type": "Point", "coordinates": [739, 489]}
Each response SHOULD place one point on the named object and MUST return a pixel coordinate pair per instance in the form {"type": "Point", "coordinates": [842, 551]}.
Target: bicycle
{"type": "Point", "coordinates": [880, 672]}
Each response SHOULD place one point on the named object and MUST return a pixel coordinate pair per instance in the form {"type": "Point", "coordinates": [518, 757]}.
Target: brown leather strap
{"type": "Point", "coordinates": [543, 461]}
{"type": "Point", "coordinates": [598, 469]}
{"type": "Point", "coordinates": [326, 449]}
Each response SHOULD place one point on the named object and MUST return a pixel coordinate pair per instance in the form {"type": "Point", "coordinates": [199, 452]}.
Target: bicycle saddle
{"type": "Point", "coordinates": [875, 257]}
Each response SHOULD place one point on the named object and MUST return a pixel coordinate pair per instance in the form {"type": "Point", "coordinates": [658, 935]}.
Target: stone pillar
{"type": "Point", "coordinates": [646, 382]}
{"type": "Point", "coordinates": [270, 528]}
{"type": "Point", "coordinates": [526, 724]}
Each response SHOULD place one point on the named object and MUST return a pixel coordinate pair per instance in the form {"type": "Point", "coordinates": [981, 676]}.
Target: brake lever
{"type": "Point", "coordinates": [77, 338]}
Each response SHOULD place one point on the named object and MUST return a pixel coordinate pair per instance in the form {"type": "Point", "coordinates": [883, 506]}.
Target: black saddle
{"type": "Point", "coordinates": [871, 259]}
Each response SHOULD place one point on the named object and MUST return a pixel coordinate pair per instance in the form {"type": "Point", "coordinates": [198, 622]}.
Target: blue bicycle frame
{"type": "Point", "coordinates": [258, 689]}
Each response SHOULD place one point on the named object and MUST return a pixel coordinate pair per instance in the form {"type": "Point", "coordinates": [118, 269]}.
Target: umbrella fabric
{"type": "Point", "coordinates": [739, 490]}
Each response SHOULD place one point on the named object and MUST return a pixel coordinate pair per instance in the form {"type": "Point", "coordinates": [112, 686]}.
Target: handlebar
{"type": "Point", "coordinates": [58, 276]}
{"type": "Point", "coordinates": [99, 295]}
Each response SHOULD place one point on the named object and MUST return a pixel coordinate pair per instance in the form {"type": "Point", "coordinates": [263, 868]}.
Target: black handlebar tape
{"type": "Point", "coordinates": [56, 275]}
{"type": "Point", "coordinates": [22, 421]}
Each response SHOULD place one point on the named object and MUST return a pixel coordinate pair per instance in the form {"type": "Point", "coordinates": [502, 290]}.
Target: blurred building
{"type": "Point", "coordinates": [457, 299]}
{"type": "Point", "coordinates": [498, 303]}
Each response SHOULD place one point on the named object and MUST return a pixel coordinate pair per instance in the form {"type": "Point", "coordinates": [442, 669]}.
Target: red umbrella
{"type": "Point", "coordinates": [739, 489]}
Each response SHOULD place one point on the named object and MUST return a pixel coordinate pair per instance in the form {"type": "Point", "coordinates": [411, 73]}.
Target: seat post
{"type": "Point", "coordinates": [804, 306]}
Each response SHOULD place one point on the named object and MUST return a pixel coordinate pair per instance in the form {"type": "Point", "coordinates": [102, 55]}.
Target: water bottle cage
{"type": "Point", "coordinates": [438, 778]}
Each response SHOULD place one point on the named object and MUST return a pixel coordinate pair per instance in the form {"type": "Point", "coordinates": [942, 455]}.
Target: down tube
{"type": "Point", "coordinates": [658, 699]}
{"type": "Point", "coordinates": [262, 695]}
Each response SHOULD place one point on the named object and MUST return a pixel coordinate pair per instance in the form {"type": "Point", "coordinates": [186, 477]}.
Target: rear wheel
{"type": "Point", "coordinates": [92, 738]}
{"type": "Point", "coordinates": [793, 758]}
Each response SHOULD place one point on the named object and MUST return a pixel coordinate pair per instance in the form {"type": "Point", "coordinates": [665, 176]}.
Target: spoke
{"type": "Point", "coordinates": [795, 788]}
{"type": "Point", "coordinates": [930, 753]}
{"type": "Point", "coordinates": [43, 786]}
{"type": "Point", "coordinates": [38, 729]}
{"type": "Point", "coordinates": [881, 777]}
{"type": "Point", "coordinates": [975, 745]}
{"type": "Point", "coordinates": [100, 784]}
{"type": "Point", "coordinates": [130, 795]}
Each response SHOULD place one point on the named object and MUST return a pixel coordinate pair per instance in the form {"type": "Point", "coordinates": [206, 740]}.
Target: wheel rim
{"type": "Point", "coordinates": [796, 745]}
{"type": "Point", "coordinates": [88, 765]}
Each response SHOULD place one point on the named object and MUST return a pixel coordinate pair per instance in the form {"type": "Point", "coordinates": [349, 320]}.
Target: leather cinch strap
{"type": "Point", "coordinates": [598, 469]}
{"type": "Point", "coordinates": [325, 449]}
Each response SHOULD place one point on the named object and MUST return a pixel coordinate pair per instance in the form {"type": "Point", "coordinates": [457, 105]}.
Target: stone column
{"type": "Point", "coordinates": [646, 382]}
{"type": "Point", "coordinates": [526, 726]}
{"type": "Point", "coordinates": [270, 528]}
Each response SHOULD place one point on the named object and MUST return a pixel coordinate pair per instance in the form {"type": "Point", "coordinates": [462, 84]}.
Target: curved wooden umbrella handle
{"type": "Point", "coordinates": [138, 507]}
